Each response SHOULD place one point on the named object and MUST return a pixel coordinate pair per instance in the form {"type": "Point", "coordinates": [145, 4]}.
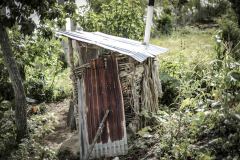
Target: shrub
{"type": "Point", "coordinates": [165, 24]}
{"type": "Point", "coordinates": [5, 85]}
{"type": "Point", "coordinates": [236, 7]}
{"type": "Point", "coordinates": [7, 129]}
{"type": "Point", "coordinates": [204, 123]}
{"type": "Point", "coordinates": [207, 11]}
{"type": "Point", "coordinates": [31, 148]}
{"type": "Point", "coordinates": [231, 35]}
{"type": "Point", "coordinates": [169, 82]}
{"type": "Point", "coordinates": [41, 60]}
{"type": "Point", "coordinates": [120, 18]}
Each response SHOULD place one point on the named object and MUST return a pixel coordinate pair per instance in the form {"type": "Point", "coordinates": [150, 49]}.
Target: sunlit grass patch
{"type": "Point", "coordinates": [188, 44]}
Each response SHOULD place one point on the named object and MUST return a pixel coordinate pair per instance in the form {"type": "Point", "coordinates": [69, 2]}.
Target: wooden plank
{"type": "Point", "coordinates": [82, 119]}
{"type": "Point", "coordinates": [71, 64]}
{"type": "Point", "coordinates": [72, 76]}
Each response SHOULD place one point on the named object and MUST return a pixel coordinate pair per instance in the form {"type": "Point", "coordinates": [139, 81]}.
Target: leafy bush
{"type": "Point", "coordinates": [120, 18]}
{"type": "Point", "coordinates": [231, 35]}
{"type": "Point", "coordinates": [96, 4]}
{"type": "Point", "coordinates": [186, 135]}
{"type": "Point", "coordinates": [207, 11]}
{"type": "Point", "coordinates": [165, 24]}
{"type": "Point", "coordinates": [7, 129]}
{"type": "Point", "coordinates": [236, 5]}
{"type": "Point", "coordinates": [42, 61]}
{"type": "Point", "coordinates": [169, 82]}
{"type": "Point", "coordinates": [31, 148]}
{"type": "Point", "coordinates": [203, 117]}
{"type": "Point", "coordinates": [5, 85]}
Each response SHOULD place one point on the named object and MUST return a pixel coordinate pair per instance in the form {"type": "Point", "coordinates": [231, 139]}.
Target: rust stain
{"type": "Point", "coordinates": [103, 91]}
{"type": "Point", "coordinates": [89, 122]}
{"type": "Point", "coordinates": [94, 97]}
{"type": "Point", "coordinates": [118, 99]}
{"type": "Point", "coordinates": [110, 89]}
{"type": "Point", "coordinates": [102, 94]}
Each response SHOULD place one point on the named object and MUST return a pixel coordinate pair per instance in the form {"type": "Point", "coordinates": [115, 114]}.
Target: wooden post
{"type": "Point", "coordinates": [74, 82]}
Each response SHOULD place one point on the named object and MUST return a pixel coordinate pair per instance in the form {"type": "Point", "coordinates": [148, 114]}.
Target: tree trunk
{"type": "Point", "coordinates": [20, 98]}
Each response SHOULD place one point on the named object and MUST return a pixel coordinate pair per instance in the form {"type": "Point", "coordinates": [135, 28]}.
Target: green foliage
{"type": "Point", "coordinates": [236, 7]}
{"type": "Point", "coordinates": [42, 62]}
{"type": "Point", "coordinates": [207, 12]}
{"type": "Point", "coordinates": [201, 121]}
{"type": "Point", "coordinates": [20, 13]}
{"type": "Point", "coordinates": [231, 34]}
{"type": "Point", "coordinates": [186, 12]}
{"type": "Point", "coordinates": [120, 18]}
{"type": "Point", "coordinates": [41, 72]}
{"type": "Point", "coordinates": [169, 83]}
{"type": "Point", "coordinates": [203, 124]}
{"type": "Point", "coordinates": [42, 65]}
{"type": "Point", "coordinates": [5, 85]}
{"type": "Point", "coordinates": [7, 128]}
{"type": "Point", "coordinates": [95, 5]}
{"type": "Point", "coordinates": [32, 148]}
{"type": "Point", "coordinates": [165, 24]}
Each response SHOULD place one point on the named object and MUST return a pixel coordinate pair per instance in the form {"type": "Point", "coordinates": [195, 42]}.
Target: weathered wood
{"type": "Point", "coordinates": [83, 140]}
{"type": "Point", "coordinates": [71, 120]}
{"type": "Point", "coordinates": [104, 80]}
{"type": "Point", "coordinates": [72, 76]}
{"type": "Point", "coordinates": [87, 53]}
{"type": "Point", "coordinates": [71, 64]}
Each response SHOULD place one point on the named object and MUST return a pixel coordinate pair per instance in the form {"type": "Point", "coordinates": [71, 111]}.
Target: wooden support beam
{"type": "Point", "coordinates": [73, 78]}
{"type": "Point", "coordinates": [72, 67]}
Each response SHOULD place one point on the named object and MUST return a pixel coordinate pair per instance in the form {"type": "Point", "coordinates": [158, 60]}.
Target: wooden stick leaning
{"type": "Point", "coordinates": [99, 132]}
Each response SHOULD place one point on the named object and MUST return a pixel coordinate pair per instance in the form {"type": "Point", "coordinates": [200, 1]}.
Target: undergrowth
{"type": "Point", "coordinates": [31, 148]}
{"type": "Point", "coordinates": [199, 116]}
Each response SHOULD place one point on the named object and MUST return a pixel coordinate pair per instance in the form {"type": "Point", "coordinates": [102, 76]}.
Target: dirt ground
{"type": "Point", "coordinates": [61, 132]}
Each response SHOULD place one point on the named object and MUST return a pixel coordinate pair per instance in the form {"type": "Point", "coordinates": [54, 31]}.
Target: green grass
{"type": "Point", "coordinates": [62, 85]}
{"type": "Point", "coordinates": [190, 44]}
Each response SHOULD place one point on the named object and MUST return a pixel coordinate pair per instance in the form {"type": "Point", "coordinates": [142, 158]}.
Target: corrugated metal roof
{"type": "Point", "coordinates": [129, 47]}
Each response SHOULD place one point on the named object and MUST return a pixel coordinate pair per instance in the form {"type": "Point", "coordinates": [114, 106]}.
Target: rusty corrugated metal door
{"type": "Point", "coordinates": [102, 92]}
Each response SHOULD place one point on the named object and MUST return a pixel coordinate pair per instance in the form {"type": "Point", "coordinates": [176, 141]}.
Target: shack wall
{"type": "Point", "coordinates": [138, 87]}
{"type": "Point", "coordinates": [99, 89]}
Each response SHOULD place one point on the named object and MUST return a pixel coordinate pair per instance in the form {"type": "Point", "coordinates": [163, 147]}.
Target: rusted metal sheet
{"type": "Point", "coordinates": [103, 92]}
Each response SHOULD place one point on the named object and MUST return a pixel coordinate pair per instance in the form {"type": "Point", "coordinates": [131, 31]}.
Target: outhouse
{"type": "Point", "coordinates": [116, 78]}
